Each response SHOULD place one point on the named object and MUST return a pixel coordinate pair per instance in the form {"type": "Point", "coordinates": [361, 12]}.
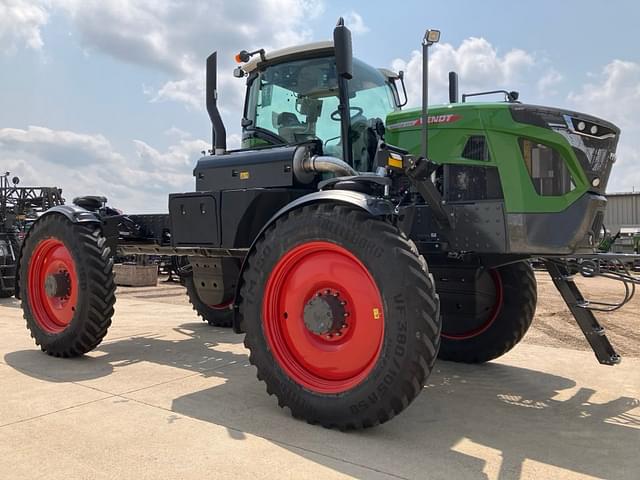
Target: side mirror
{"type": "Point", "coordinates": [344, 53]}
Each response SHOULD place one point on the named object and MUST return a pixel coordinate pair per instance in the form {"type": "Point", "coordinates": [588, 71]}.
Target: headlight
{"type": "Point", "coordinates": [595, 182]}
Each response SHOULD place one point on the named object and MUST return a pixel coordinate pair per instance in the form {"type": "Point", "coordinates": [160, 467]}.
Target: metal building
{"type": "Point", "coordinates": [623, 210]}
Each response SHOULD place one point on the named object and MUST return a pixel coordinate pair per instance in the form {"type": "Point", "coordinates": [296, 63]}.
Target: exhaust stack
{"type": "Point", "coordinates": [219, 133]}
{"type": "Point", "coordinates": [430, 37]}
{"type": "Point", "coordinates": [453, 87]}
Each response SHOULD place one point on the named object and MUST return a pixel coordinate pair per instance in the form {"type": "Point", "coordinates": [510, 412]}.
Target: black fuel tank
{"type": "Point", "coordinates": [242, 169]}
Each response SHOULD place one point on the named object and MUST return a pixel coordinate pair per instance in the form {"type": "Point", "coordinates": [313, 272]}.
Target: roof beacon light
{"type": "Point", "coordinates": [244, 56]}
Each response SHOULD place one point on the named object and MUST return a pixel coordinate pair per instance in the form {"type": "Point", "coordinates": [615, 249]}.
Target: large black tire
{"type": "Point", "coordinates": [71, 317]}
{"type": "Point", "coordinates": [492, 334]}
{"type": "Point", "coordinates": [340, 252]}
{"type": "Point", "coordinates": [216, 316]}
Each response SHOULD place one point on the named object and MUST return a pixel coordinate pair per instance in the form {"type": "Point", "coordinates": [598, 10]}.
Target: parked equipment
{"type": "Point", "coordinates": [19, 208]}
{"type": "Point", "coordinates": [350, 240]}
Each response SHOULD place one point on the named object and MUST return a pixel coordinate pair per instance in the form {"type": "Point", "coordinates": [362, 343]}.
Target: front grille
{"type": "Point", "coordinates": [593, 140]}
{"type": "Point", "coordinates": [595, 154]}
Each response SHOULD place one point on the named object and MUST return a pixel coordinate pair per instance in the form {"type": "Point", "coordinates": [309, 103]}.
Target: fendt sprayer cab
{"type": "Point", "coordinates": [351, 241]}
{"type": "Point", "coordinates": [542, 170]}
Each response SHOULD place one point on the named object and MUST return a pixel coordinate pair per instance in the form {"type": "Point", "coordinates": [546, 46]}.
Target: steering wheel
{"type": "Point", "coordinates": [335, 116]}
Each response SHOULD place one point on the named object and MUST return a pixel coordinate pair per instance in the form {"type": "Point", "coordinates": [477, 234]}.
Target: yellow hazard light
{"type": "Point", "coordinates": [394, 161]}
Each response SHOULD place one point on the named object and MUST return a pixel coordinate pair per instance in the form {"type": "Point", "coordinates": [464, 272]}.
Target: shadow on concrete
{"type": "Point", "coordinates": [10, 302]}
{"type": "Point", "coordinates": [471, 416]}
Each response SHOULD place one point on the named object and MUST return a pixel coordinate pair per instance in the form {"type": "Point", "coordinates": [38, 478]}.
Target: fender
{"type": "Point", "coordinates": [74, 214]}
{"type": "Point", "coordinates": [375, 206]}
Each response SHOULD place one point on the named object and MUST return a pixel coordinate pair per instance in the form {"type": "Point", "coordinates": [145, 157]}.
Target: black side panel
{"type": "Point", "coordinates": [194, 219]}
{"type": "Point", "coordinates": [263, 168]}
{"type": "Point", "coordinates": [479, 227]}
{"type": "Point", "coordinates": [572, 230]}
{"type": "Point", "coordinates": [245, 212]}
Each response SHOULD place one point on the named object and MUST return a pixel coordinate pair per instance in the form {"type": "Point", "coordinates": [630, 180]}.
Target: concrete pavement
{"type": "Point", "coordinates": [167, 396]}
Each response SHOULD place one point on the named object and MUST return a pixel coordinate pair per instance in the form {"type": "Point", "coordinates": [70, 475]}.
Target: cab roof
{"type": "Point", "coordinates": [314, 47]}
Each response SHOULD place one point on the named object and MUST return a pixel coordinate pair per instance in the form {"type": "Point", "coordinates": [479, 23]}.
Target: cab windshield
{"type": "Point", "coordinates": [298, 101]}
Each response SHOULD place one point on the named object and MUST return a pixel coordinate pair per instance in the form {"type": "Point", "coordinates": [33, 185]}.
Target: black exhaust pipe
{"type": "Point", "coordinates": [219, 134]}
{"type": "Point", "coordinates": [453, 87]}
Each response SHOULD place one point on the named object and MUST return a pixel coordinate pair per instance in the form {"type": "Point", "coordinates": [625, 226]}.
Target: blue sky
{"type": "Point", "coordinates": [106, 96]}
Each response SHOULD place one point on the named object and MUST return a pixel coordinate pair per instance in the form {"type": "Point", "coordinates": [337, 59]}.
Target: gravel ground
{"type": "Point", "coordinates": [553, 326]}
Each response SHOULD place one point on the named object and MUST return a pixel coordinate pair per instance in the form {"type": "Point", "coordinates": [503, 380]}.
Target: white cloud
{"type": "Point", "coordinates": [189, 91]}
{"type": "Point", "coordinates": [478, 63]}
{"type": "Point", "coordinates": [614, 94]}
{"type": "Point", "coordinates": [21, 22]}
{"type": "Point", "coordinates": [84, 164]}
{"type": "Point", "coordinates": [356, 24]}
{"type": "Point", "coordinates": [548, 82]}
{"type": "Point", "coordinates": [175, 37]}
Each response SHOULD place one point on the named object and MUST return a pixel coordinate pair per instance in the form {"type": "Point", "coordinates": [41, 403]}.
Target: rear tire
{"type": "Point", "coordinates": [366, 369]}
{"type": "Point", "coordinates": [67, 285]}
{"type": "Point", "coordinates": [504, 326]}
{"type": "Point", "coordinates": [216, 315]}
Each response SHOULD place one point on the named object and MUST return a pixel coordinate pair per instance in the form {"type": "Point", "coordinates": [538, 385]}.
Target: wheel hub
{"type": "Point", "coordinates": [325, 313]}
{"type": "Point", "coordinates": [57, 285]}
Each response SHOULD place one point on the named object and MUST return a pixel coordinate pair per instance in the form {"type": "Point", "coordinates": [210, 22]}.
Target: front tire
{"type": "Point", "coordinates": [341, 316]}
{"type": "Point", "coordinates": [67, 285]}
{"type": "Point", "coordinates": [506, 297]}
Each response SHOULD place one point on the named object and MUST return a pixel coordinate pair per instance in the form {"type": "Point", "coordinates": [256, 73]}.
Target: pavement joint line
{"type": "Point", "coordinates": [349, 462]}
{"type": "Point", "coordinates": [79, 384]}
{"type": "Point", "coordinates": [194, 374]}
{"type": "Point", "coordinates": [108, 340]}
{"type": "Point", "coordinates": [269, 439]}
{"type": "Point", "coordinates": [71, 407]}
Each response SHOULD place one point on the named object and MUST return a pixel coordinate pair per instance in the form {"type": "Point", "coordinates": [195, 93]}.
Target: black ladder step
{"type": "Point", "coordinates": [586, 320]}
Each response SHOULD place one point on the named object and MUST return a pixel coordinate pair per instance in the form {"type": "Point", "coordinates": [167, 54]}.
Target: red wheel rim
{"type": "Point", "coordinates": [52, 312]}
{"type": "Point", "coordinates": [325, 363]}
{"type": "Point", "coordinates": [495, 311]}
